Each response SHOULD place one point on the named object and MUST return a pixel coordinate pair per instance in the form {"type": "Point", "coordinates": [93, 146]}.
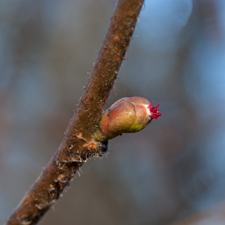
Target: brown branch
{"type": "Point", "coordinates": [78, 144]}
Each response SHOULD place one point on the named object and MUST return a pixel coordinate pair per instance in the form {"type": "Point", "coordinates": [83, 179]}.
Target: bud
{"type": "Point", "coordinates": [127, 115]}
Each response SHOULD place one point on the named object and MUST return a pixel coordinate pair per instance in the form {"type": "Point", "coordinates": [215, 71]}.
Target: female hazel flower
{"type": "Point", "coordinates": [127, 115]}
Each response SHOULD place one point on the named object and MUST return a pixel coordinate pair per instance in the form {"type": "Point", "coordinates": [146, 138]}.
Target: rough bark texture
{"type": "Point", "coordinates": [78, 144]}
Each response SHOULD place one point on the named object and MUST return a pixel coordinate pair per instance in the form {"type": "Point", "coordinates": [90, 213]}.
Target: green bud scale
{"type": "Point", "coordinates": [127, 115]}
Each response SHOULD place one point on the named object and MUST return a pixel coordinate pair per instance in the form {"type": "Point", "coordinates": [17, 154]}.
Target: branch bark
{"type": "Point", "coordinates": [78, 143]}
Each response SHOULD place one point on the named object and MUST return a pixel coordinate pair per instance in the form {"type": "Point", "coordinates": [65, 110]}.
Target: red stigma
{"type": "Point", "coordinates": [155, 114]}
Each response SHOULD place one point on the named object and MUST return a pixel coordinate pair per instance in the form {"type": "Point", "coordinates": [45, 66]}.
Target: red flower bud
{"type": "Point", "coordinates": [127, 115]}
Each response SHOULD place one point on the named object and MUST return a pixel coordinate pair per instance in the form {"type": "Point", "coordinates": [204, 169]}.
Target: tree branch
{"type": "Point", "coordinates": [78, 143]}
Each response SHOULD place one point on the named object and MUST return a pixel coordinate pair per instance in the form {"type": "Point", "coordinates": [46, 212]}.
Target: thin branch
{"type": "Point", "coordinates": [78, 144]}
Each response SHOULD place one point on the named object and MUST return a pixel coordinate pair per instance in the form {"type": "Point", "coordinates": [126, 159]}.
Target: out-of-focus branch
{"type": "Point", "coordinates": [78, 144]}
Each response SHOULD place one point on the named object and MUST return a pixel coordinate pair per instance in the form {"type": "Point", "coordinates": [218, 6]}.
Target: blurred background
{"type": "Point", "coordinates": [173, 171]}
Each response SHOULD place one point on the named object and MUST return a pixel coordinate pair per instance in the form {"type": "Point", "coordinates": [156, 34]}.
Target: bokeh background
{"type": "Point", "coordinates": [171, 172]}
